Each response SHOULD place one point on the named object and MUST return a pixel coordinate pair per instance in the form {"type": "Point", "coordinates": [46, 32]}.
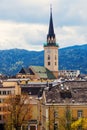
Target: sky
{"type": "Point", "coordinates": [24, 23]}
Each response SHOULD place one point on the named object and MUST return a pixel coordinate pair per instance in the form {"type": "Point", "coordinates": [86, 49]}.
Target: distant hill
{"type": "Point", "coordinates": [73, 58]}
{"type": "Point", "coordinates": [70, 58]}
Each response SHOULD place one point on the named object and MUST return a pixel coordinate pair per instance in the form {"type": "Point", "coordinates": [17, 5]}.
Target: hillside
{"type": "Point", "coordinates": [73, 58]}
{"type": "Point", "coordinates": [70, 58]}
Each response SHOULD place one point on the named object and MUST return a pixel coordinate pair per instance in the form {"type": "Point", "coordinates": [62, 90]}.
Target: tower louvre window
{"type": "Point", "coordinates": [55, 63]}
{"type": "Point", "coordinates": [48, 63]}
{"type": "Point", "coordinates": [55, 57]}
{"type": "Point", "coordinates": [48, 57]}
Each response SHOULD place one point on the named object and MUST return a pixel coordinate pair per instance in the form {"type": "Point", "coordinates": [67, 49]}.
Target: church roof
{"type": "Point", "coordinates": [24, 70]}
{"type": "Point", "coordinates": [42, 72]}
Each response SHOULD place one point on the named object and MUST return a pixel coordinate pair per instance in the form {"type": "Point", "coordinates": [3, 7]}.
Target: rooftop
{"type": "Point", "coordinates": [68, 92]}
{"type": "Point", "coordinates": [42, 72]}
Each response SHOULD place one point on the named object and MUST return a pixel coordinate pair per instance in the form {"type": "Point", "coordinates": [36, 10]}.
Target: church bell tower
{"type": "Point", "coordinates": [51, 49]}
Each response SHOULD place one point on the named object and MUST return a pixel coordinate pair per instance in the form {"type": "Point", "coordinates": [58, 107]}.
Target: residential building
{"type": "Point", "coordinates": [6, 89]}
{"type": "Point", "coordinates": [63, 103]}
{"type": "Point", "coordinates": [69, 73]}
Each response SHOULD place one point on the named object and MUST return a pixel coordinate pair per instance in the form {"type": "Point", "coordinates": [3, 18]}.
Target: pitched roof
{"type": "Point", "coordinates": [42, 72]}
{"type": "Point", "coordinates": [70, 91]}
{"type": "Point", "coordinates": [24, 70]}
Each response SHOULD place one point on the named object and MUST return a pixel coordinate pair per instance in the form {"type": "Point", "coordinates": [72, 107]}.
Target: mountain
{"type": "Point", "coordinates": [73, 58]}
{"type": "Point", "coordinates": [70, 58]}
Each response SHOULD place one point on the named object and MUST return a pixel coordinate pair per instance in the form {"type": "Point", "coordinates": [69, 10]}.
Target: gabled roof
{"type": "Point", "coordinates": [24, 70]}
{"type": "Point", "coordinates": [42, 72]}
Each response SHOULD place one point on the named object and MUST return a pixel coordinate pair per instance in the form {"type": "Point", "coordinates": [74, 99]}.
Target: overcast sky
{"type": "Point", "coordinates": [24, 23]}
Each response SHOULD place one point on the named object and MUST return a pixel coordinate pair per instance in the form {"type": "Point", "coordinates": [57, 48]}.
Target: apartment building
{"type": "Point", "coordinates": [7, 88]}
{"type": "Point", "coordinates": [62, 103]}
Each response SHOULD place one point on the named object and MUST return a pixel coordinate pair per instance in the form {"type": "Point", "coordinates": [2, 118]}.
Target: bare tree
{"type": "Point", "coordinates": [19, 110]}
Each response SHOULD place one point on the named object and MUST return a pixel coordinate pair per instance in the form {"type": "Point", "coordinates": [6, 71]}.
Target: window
{"type": "Point", "coordinates": [32, 128]}
{"type": "Point", "coordinates": [79, 128]}
{"type": "Point", "coordinates": [55, 57]}
{"type": "Point", "coordinates": [0, 100]}
{"type": "Point", "coordinates": [48, 63]}
{"type": "Point", "coordinates": [55, 114]}
{"type": "Point", "coordinates": [0, 109]}
{"type": "Point", "coordinates": [4, 92]}
{"type": "Point", "coordinates": [79, 113]}
{"type": "Point", "coordinates": [0, 117]}
{"type": "Point", "coordinates": [55, 63]}
{"type": "Point", "coordinates": [48, 57]}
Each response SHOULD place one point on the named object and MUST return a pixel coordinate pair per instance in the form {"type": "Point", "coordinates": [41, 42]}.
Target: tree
{"type": "Point", "coordinates": [59, 121]}
{"type": "Point", "coordinates": [81, 122]}
{"type": "Point", "coordinates": [66, 120]}
{"type": "Point", "coordinates": [18, 111]}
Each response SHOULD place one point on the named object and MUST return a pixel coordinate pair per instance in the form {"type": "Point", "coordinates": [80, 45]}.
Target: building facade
{"type": "Point", "coordinates": [63, 104]}
{"type": "Point", "coordinates": [7, 88]}
{"type": "Point", "coordinates": [69, 73]}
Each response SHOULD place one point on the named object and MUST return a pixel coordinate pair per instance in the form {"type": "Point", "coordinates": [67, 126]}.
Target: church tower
{"type": "Point", "coordinates": [51, 49]}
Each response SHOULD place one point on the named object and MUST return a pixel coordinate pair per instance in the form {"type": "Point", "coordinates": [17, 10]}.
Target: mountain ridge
{"type": "Point", "coordinates": [70, 58]}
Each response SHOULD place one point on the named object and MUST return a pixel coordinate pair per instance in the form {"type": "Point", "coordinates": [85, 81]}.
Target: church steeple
{"type": "Point", "coordinates": [51, 28]}
{"type": "Point", "coordinates": [51, 49]}
{"type": "Point", "coordinates": [51, 40]}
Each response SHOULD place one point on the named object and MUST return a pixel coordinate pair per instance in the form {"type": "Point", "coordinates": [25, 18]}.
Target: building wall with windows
{"type": "Point", "coordinates": [6, 89]}
{"type": "Point", "coordinates": [62, 106]}
{"type": "Point", "coordinates": [56, 114]}
{"type": "Point", "coordinates": [69, 73]}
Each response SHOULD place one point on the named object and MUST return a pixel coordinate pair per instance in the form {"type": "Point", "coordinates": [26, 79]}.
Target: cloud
{"type": "Point", "coordinates": [24, 23]}
{"type": "Point", "coordinates": [33, 36]}
{"type": "Point", "coordinates": [71, 35]}
{"type": "Point", "coordinates": [21, 35]}
{"type": "Point", "coordinates": [65, 12]}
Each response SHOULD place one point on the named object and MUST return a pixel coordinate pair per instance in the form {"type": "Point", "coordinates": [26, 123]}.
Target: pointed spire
{"type": "Point", "coordinates": [51, 35]}
{"type": "Point", "coordinates": [51, 28]}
